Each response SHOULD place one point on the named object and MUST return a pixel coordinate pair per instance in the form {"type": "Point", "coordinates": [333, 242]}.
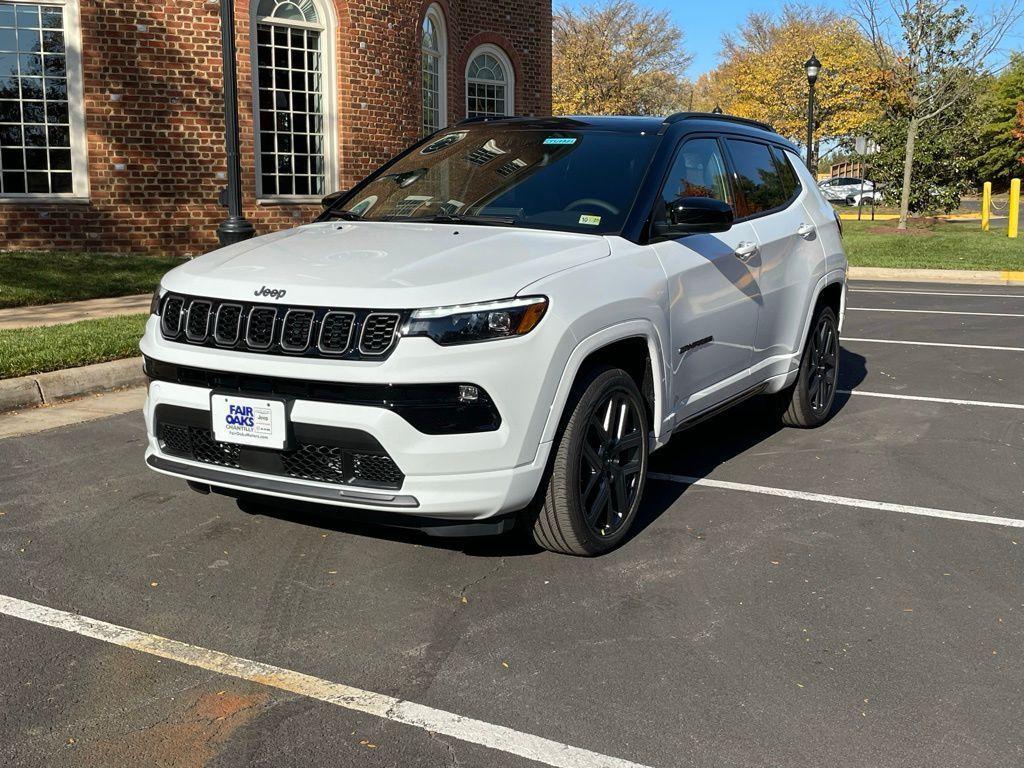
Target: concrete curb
{"type": "Point", "coordinates": [974, 277]}
{"type": "Point", "coordinates": [49, 388]}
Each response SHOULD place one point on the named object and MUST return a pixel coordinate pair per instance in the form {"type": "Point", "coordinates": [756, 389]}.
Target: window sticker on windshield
{"type": "Point", "coordinates": [593, 221]}
{"type": "Point", "coordinates": [560, 140]}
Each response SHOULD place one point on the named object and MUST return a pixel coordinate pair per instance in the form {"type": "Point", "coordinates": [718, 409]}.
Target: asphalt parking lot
{"type": "Point", "coordinates": [846, 596]}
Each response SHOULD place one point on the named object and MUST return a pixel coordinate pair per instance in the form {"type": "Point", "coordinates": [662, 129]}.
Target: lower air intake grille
{"type": "Point", "coordinates": [374, 468]}
{"type": "Point", "coordinates": [304, 461]}
{"type": "Point", "coordinates": [197, 444]}
{"type": "Point", "coordinates": [323, 463]}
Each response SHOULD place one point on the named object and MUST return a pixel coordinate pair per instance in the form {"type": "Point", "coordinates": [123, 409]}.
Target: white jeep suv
{"type": "Point", "coordinates": [501, 323]}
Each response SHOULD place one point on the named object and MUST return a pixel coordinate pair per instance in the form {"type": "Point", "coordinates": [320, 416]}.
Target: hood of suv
{"type": "Point", "coordinates": [384, 265]}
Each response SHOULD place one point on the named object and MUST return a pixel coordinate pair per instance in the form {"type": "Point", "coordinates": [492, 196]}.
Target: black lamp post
{"type": "Point", "coordinates": [812, 66]}
{"type": "Point", "coordinates": [234, 228]}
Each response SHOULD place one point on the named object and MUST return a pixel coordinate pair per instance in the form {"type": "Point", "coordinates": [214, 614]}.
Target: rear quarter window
{"type": "Point", "coordinates": [760, 180]}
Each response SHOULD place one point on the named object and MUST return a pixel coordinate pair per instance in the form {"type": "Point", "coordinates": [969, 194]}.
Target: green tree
{"type": "Point", "coordinates": [1003, 146]}
{"type": "Point", "coordinates": [617, 58]}
{"type": "Point", "coordinates": [761, 72]}
{"type": "Point", "coordinates": [945, 158]}
{"type": "Point", "coordinates": [933, 54]}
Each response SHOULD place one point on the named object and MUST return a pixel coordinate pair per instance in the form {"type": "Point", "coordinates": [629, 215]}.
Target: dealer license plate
{"type": "Point", "coordinates": [249, 421]}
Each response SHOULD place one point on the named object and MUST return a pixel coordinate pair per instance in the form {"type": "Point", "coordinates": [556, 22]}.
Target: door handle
{"type": "Point", "coordinates": [805, 230]}
{"type": "Point", "coordinates": [744, 251]}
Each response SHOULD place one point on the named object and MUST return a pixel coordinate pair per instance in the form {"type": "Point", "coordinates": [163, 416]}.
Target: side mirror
{"type": "Point", "coordinates": [332, 198]}
{"type": "Point", "coordinates": [689, 215]}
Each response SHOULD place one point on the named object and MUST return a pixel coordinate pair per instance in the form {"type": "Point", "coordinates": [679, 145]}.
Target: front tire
{"type": "Point", "coordinates": [808, 403]}
{"type": "Point", "coordinates": [593, 490]}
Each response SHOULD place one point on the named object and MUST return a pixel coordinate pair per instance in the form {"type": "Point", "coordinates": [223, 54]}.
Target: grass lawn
{"type": "Point", "coordinates": [939, 245]}
{"type": "Point", "coordinates": [33, 277]}
{"type": "Point", "coordinates": [25, 351]}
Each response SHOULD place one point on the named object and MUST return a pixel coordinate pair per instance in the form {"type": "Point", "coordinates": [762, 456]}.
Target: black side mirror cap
{"type": "Point", "coordinates": [332, 198]}
{"type": "Point", "coordinates": [690, 215]}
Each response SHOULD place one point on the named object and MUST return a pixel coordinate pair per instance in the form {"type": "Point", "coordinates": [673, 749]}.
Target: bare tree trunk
{"type": "Point", "coordinates": [908, 167]}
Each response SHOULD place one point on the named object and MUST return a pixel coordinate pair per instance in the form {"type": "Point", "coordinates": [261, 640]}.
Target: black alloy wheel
{"type": "Point", "coordinates": [595, 482]}
{"type": "Point", "coordinates": [821, 387]}
{"type": "Point", "coordinates": [610, 463]}
{"type": "Point", "coordinates": [808, 401]}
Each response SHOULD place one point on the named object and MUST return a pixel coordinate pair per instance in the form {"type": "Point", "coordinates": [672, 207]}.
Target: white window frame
{"type": "Point", "coordinates": [76, 110]}
{"type": "Point", "coordinates": [510, 75]}
{"type": "Point", "coordinates": [436, 16]}
{"type": "Point", "coordinates": [329, 81]}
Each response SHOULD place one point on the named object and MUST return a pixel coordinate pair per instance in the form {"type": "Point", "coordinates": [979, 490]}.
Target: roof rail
{"type": "Point", "coordinates": [717, 116]}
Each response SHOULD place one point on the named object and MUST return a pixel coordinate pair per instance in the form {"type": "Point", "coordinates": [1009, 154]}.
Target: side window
{"type": "Point", "coordinates": [790, 181]}
{"type": "Point", "coordinates": [758, 178]}
{"type": "Point", "coordinates": [698, 171]}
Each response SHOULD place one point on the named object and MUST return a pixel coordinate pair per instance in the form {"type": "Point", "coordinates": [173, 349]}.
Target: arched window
{"type": "Point", "coordinates": [434, 49]}
{"type": "Point", "coordinates": [295, 125]}
{"type": "Point", "coordinates": [490, 83]}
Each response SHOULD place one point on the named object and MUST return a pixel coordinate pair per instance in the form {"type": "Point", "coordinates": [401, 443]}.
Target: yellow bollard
{"type": "Point", "coordinates": [1014, 207]}
{"type": "Point", "coordinates": [986, 205]}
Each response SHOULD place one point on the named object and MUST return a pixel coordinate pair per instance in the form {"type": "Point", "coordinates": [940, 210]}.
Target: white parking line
{"type": "Point", "coordinates": [921, 398]}
{"type": "Point", "coordinates": [939, 293]}
{"type": "Point", "coordinates": [934, 344]}
{"type": "Point", "coordinates": [496, 737]}
{"type": "Point", "coordinates": [932, 312]}
{"type": "Point", "coordinates": [843, 501]}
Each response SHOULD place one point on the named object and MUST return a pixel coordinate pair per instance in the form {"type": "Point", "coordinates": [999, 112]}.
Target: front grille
{"type": "Point", "coordinates": [305, 331]}
{"type": "Point", "coordinates": [259, 332]}
{"type": "Point", "coordinates": [197, 326]}
{"type": "Point", "coordinates": [298, 326]}
{"type": "Point", "coordinates": [378, 333]}
{"type": "Point", "coordinates": [228, 324]}
{"type": "Point", "coordinates": [336, 333]}
{"type": "Point", "coordinates": [170, 319]}
{"type": "Point", "coordinates": [355, 459]}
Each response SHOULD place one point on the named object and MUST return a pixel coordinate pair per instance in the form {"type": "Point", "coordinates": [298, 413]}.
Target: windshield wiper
{"type": "Point", "coordinates": [346, 215]}
{"type": "Point", "coordinates": [456, 218]}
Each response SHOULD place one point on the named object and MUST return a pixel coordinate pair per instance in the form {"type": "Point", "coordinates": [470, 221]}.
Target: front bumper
{"type": "Point", "coordinates": [464, 477]}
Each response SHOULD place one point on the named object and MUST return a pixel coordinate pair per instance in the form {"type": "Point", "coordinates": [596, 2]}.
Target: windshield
{"type": "Point", "coordinates": [579, 181]}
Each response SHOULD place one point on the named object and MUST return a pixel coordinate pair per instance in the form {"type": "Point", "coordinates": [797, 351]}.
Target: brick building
{"type": "Point", "coordinates": [111, 123]}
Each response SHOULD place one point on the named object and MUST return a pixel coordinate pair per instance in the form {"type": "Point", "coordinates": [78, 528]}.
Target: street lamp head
{"type": "Point", "coordinates": [812, 66]}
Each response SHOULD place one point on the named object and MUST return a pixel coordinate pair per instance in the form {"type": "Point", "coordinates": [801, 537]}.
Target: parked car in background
{"type": "Point", "coordinates": [867, 197]}
{"type": "Point", "coordinates": [838, 188]}
{"type": "Point", "coordinates": [500, 324]}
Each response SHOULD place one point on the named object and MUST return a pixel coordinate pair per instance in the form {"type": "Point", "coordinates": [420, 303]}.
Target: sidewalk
{"type": "Point", "coordinates": [73, 311]}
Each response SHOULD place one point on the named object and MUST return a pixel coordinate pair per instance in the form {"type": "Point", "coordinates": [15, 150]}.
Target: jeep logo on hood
{"type": "Point", "coordinates": [271, 293]}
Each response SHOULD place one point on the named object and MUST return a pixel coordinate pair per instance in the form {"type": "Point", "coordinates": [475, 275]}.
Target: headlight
{"type": "Point", "coordinates": [470, 323]}
{"type": "Point", "coordinates": [154, 305]}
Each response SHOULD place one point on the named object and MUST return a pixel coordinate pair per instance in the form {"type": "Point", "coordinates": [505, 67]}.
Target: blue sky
{"type": "Point", "coordinates": [704, 22]}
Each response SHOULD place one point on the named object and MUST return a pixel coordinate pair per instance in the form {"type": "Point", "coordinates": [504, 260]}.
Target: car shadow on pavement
{"type": "Point", "coordinates": [358, 522]}
{"type": "Point", "coordinates": [695, 452]}
{"type": "Point", "coordinates": [698, 451]}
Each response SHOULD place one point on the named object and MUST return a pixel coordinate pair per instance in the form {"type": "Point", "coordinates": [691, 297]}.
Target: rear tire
{"type": "Point", "coordinates": [808, 402]}
{"type": "Point", "coordinates": [591, 495]}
